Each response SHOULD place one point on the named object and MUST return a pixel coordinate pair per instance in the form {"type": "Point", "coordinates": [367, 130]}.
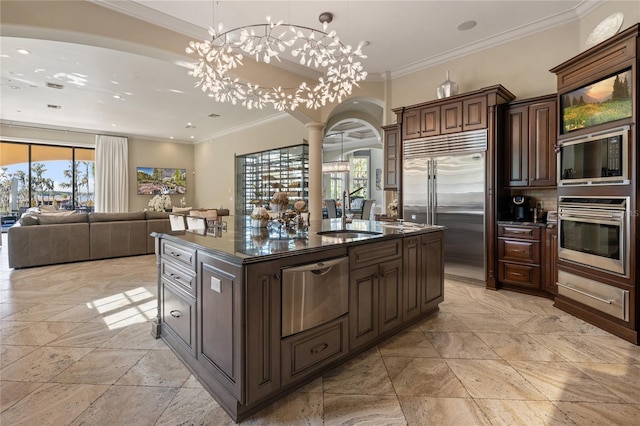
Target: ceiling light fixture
{"type": "Point", "coordinates": [313, 48]}
{"type": "Point", "coordinates": [338, 166]}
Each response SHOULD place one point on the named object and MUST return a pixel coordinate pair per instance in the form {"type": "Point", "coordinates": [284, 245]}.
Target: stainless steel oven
{"type": "Point", "coordinates": [594, 232]}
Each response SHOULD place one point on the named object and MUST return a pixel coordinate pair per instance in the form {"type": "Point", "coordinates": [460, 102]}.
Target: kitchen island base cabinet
{"type": "Point", "coordinates": [228, 328]}
{"type": "Point", "coordinates": [423, 281]}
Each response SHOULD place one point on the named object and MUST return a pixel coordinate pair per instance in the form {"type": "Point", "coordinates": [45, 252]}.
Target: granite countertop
{"type": "Point", "coordinates": [242, 242]}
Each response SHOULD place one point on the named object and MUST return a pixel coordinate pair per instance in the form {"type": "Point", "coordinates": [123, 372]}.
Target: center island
{"type": "Point", "coordinates": [256, 313]}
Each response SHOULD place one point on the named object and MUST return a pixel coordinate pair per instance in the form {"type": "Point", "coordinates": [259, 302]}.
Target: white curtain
{"type": "Point", "coordinates": [112, 177]}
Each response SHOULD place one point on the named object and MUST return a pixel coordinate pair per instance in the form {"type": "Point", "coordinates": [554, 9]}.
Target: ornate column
{"type": "Point", "coordinates": [315, 170]}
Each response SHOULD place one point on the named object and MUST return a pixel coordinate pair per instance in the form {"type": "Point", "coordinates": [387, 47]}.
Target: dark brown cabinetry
{"type": "Point", "coordinates": [530, 129]}
{"type": "Point", "coordinates": [550, 260]}
{"type": "Point", "coordinates": [423, 280]}
{"type": "Point", "coordinates": [375, 290]}
{"type": "Point", "coordinates": [392, 156]}
{"type": "Point", "coordinates": [519, 255]}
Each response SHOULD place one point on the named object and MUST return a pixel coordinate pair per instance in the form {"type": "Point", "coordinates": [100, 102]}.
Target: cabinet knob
{"type": "Point", "coordinates": [176, 314]}
{"type": "Point", "coordinates": [276, 276]}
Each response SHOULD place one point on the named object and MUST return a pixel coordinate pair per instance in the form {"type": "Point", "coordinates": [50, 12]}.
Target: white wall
{"type": "Point", "coordinates": [214, 160]}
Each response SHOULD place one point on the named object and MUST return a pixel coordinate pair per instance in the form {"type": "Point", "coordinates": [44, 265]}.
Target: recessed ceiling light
{"type": "Point", "coordinates": [114, 82]}
{"type": "Point", "coordinates": [23, 51]}
{"type": "Point", "coordinates": [114, 125]}
{"type": "Point", "coordinates": [128, 93]}
{"type": "Point", "coordinates": [170, 137]}
{"type": "Point", "coordinates": [117, 96]}
{"type": "Point", "coordinates": [189, 126]}
{"type": "Point", "coordinates": [193, 137]}
{"type": "Point", "coordinates": [175, 90]}
{"type": "Point", "coordinates": [4, 55]}
{"type": "Point", "coordinates": [211, 95]}
{"type": "Point", "coordinates": [39, 70]}
{"type": "Point", "coordinates": [14, 87]}
{"type": "Point", "coordinates": [467, 25]}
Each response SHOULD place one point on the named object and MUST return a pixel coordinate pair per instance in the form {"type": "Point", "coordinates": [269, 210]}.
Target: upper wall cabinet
{"type": "Point", "coordinates": [530, 139]}
{"type": "Point", "coordinates": [445, 117]}
{"type": "Point", "coordinates": [392, 156]}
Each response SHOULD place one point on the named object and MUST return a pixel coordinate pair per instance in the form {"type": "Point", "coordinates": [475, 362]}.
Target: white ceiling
{"type": "Point", "coordinates": [157, 98]}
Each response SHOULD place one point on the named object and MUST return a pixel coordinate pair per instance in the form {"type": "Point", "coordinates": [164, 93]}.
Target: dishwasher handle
{"type": "Point", "coordinates": [319, 268]}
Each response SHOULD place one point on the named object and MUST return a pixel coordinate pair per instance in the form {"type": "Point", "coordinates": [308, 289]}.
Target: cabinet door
{"type": "Point", "coordinates": [411, 124]}
{"type": "Point", "coordinates": [263, 330]}
{"type": "Point", "coordinates": [542, 140]}
{"type": "Point", "coordinates": [363, 305]}
{"type": "Point", "coordinates": [451, 118]}
{"type": "Point", "coordinates": [390, 294]}
{"type": "Point", "coordinates": [392, 155]}
{"type": "Point", "coordinates": [411, 276]}
{"type": "Point", "coordinates": [474, 113]}
{"type": "Point", "coordinates": [551, 260]}
{"type": "Point", "coordinates": [430, 121]}
{"type": "Point", "coordinates": [178, 313]}
{"type": "Point", "coordinates": [220, 313]}
{"type": "Point", "coordinates": [432, 270]}
{"type": "Point", "coordinates": [517, 150]}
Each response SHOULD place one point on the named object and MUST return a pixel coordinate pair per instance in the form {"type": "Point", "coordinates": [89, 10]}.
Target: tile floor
{"type": "Point", "coordinates": [76, 349]}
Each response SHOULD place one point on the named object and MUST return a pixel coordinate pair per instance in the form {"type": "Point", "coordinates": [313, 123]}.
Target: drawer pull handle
{"type": "Point", "coordinates": [518, 251]}
{"type": "Point", "coordinates": [317, 349]}
{"type": "Point", "coordinates": [176, 314]}
{"type": "Point", "coordinates": [175, 277]}
{"type": "Point", "coordinates": [517, 274]}
{"type": "Point", "coordinates": [608, 302]}
{"type": "Point", "coordinates": [174, 254]}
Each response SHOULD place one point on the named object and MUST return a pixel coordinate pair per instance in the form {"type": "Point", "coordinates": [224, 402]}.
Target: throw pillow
{"type": "Point", "coordinates": [181, 209]}
{"type": "Point", "coordinates": [56, 212]}
{"type": "Point", "coordinates": [28, 220]}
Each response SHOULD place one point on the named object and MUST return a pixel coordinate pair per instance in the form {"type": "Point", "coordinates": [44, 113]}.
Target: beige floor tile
{"type": "Point", "coordinates": [461, 345]}
{"type": "Point", "coordinates": [362, 410]}
{"type": "Point", "coordinates": [316, 386]}
{"type": "Point", "coordinates": [9, 354]}
{"type": "Point", "coordinates": [40, 312]}
{"type": "Point", "coordinates": [560, 381]}
{"type": "Point", "coordinates": [76, 313]}
{"type": "Point", "coordinates": [502, 412]}
{"type": "Point", "coordinates": [85, 335]}
{"type": "Point", "coordinates": [408, 344]}
{"type": "Point", "coordinates": [135, 336]}
{"type": "Point", "coordinates": [364, 375]}
{"type": "Point", "coordinates": [598, 414]}
{"type": "Point", "coordinates": [627, 351]}
{"type": "Point", "coordinates": [53, 404]}
{"type": "Point", "coordinates": [538, 324]}
{"type": "Point", "coordinates": [493, 379]}
{"type": "Point", "coordinates": [12, 392]}
{"type": "Point", "coordinates": [512, 346]}
{"type": "Point", "coordinates": [578, 349]}
{"type": "Point", "coordinates": [127, 405]}
{"type": "Point", "coordinates": [8, 309]}
{"type": "Point", "coordinates": [194, 407]}
{"type": "Point", "coordinates": [577, 326]}
{"type": "Point", "coordinates": [424, 377]}
{"type": "Point", "coordinates": [298, 408]}
{"type": "Point", "coordinates": [192, 383]}
{"type": "Point", "coordinates": [443, 322]}
{"type": "Point", "coordinates": [621, 379]}
{"type": "Point", "coordinates": [442, 411]}
{"type": "Point", "coordinates": [101, 366]}
{"type": "Point", "coordinates": [490, 323]}
{"type": "Point", "coordinates": [42, 364]}
{"type": "Point", "coordinates": [156, 368]}
{"type": "Point", "coordinates": [39, 333]}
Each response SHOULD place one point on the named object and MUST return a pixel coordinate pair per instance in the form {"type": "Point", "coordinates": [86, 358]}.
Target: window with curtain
{"type": "Point", "coordinates": [46, 175]}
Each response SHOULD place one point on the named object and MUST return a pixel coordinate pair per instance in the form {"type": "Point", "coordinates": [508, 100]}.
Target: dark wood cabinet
{"type": "Point", "coordinates": [423, 283]}
{"type": "Point", "coordinates": [220, 322]}
{"type": "Point", "coordinates": [519, 255]}
{"type": "Point", "coordinates": [530, 133]}
{"type": "Point", "coordinates": [474, 113]}
{"type": "Point", "coordinates": [178, 313]}
{"type": "Point", "coordinates": [430, 121]}
{"type": "Point", "coordinates": [392, 156]}
{"type": "Point", "coordinates": [550, 260]}
{"type": "Point", "coordinates": [451, 118]}
{"type": "Point", "coordinates": [411, 124]}
{"type": "Point", "coordinates": [375, 290]}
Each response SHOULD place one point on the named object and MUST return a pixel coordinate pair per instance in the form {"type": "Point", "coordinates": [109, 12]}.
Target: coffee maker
{"type": "Point", "coordinates": [521, 208]}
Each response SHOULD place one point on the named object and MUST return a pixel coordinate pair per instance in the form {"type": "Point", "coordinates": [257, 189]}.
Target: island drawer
{"type": "Point", "coordinates": [308, 351]}
{"type": "Point", "coordinates": [179, 315]}
{"type": "Point", "coordinates": [374, 253]}
{"type": "Point", "coordinates": [183, 255]}
{"type": "Point", "coordinates": [179, 276]}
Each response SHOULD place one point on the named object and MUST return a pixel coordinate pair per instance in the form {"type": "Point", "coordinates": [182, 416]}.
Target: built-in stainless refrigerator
{"type": "Point", "coordinates": [444, 184]}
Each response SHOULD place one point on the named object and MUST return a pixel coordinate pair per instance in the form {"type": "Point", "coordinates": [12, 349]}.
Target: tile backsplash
{"type": "Point", "coordinates": [548, 197]}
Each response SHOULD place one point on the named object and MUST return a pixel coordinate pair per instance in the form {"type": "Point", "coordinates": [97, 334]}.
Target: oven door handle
{"type": "Point", "coordinates": [582, 215]}
{"type": "Point", "coordinates": [584, 293]}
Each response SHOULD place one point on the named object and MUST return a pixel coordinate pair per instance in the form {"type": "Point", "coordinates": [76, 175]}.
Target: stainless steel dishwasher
{"type": "Point", "coordinates": [314, 293]}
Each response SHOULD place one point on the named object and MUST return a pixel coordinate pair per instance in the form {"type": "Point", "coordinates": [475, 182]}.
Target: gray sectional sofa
{"type": "Point", "coordinates": [49, 239]}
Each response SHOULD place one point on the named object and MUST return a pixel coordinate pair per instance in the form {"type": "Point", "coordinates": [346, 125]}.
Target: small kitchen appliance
{"type": "Point", "coordinates": [521, 208]}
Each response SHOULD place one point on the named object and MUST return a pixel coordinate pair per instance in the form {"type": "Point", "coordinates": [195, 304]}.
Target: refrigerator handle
{"type": "Point", "coordinates": [434, 191]}
{"type": "Point", "coordinates": [429, 191]}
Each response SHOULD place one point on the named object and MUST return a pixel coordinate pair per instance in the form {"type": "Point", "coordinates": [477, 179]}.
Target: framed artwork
{"type": "Point", "coordinates": [158, 180]}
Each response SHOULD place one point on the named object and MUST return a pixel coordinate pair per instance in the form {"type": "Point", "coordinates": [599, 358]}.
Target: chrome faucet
{"type": "Point", "coordinates": [345, 198]}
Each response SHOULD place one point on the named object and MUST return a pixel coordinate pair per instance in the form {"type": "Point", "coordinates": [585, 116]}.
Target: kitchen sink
{"type": "Point", "coordinates": [348, 233]}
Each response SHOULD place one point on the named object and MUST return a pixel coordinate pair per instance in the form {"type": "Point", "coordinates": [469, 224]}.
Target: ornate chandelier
{"type": "Point", "coordinates": [315, 49]}
{"type": "Point", "coordinates": [337, 166]}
